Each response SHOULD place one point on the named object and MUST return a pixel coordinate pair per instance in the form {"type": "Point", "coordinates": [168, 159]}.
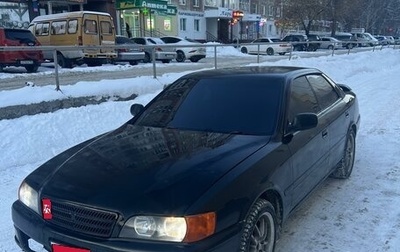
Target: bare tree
{"type": "Point", "coordinates": [303, 12]}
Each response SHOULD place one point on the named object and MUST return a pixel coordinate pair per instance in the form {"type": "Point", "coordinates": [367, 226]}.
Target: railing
{"type": "Point", "coordinates": [56, 49]}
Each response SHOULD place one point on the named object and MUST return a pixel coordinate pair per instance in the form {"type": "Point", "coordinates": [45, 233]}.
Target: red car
{"type": "Point", "coordinates": [31, 60]}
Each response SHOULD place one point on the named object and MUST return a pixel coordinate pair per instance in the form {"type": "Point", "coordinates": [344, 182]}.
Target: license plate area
{"type": "Point", "coordinates": [26, 62]}
{"type": "Point", "coordinates": [64, 248]}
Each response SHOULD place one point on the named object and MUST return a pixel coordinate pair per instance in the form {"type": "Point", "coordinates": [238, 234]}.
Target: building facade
{"type": "Point", "coordinates": [204, 20]}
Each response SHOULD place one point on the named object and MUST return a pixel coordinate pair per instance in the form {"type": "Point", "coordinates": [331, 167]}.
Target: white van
{"type": "Point", "coordinates": [79, 28]}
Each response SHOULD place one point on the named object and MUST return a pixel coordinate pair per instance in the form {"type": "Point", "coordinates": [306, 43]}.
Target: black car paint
{"type": "Point", "coordinates": [177, 185]}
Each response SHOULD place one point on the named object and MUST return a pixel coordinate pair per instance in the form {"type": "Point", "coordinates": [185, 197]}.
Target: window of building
{"type": "Point", "coordinates": [271, 11]}
{"type": "Point", "coordinates": [196, 3]}
{"type": "Point", "coordinates": [182, 2]}
{"type": "Point", "coordinates": [182, 24]}
{"type": "Point", "coordinates": [278, 12]}
{"type": "Point", "coordinates": [197, 24]}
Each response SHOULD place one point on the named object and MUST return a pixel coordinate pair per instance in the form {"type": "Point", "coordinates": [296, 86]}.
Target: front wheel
{"type": "Point", "coordinates": [243, 50]}
{"type": "Point", "coordinates": [260, 228]}
{"type": "Point", "coordinates": [32, 68]}
{"type": "Point", "coordinates": [345, 166]}
{"type": "Point", "coordinates": [270, 51]}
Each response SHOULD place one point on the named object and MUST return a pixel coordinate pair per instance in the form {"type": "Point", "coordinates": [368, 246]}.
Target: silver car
{"type": "Point", "coordinates": [129, 54]}
{"type": "Point", "coordinates": [330, 43]}
{"type": "Point", "coordinates": [163, 54]}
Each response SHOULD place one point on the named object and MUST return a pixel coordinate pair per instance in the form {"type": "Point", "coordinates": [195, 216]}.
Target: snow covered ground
{"type": "Point", "coordinates": [358, 214]}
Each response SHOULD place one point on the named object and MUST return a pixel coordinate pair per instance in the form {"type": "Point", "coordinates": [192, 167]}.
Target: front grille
{"type": "Point", "coordinates": [83, 219]}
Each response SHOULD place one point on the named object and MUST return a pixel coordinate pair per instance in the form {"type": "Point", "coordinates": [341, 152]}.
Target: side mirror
{"type": "Point", "coordinates": [304, 121]}
{"type": "Point", "coordinates": [136, 109]}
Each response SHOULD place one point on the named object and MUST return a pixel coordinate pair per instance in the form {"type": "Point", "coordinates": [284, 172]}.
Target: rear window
{"type": "Point", "coordinates": [23, 36]}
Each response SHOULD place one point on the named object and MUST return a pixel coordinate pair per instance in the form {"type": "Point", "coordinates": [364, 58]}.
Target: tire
{"type": "Point", "coordinates": [330, 47]}
{"type": "Point", "coordinates": [133, 62]}
{"type": "Point", "coordinates": [345, 166]}
{"type": "Point", "coordinates": [349, 46]}
{"type": "Point", "coordinates": [32, 68]}
{"type": "Point", "coordinates": [147, 58]}
{"type": "Point", "coordinates": [180, 56]}
{"type": "Point", "coordinates": [244, 50]}
{"type": "Point", "coordinates": [260, 228]}
{"type": "Point", "coordinates": [270, 51]}
{"type": "Point", "coordinates": [63, 62]}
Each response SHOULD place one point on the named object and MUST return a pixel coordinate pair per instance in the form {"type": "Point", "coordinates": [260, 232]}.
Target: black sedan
{"type": "Point", "coordinates": [216, 162]}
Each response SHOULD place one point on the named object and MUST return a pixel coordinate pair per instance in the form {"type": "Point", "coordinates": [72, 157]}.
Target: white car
{"type": "Point", "coordinates": [193, 54]}
{"type": "Point", "coordinates": [330, 43]}
{"type": "Point", "coordinates": [163, 54]}
{"type": "Point", "coordinates": [267, 46]}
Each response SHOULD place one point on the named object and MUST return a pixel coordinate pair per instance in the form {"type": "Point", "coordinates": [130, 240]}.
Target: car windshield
{"type": "Point", "coordinates": [239, 104]}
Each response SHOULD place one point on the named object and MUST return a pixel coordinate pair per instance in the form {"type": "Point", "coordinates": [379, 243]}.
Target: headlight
{"type": "Point", "coordinates": [28, 196]}
{"type": "Point", "coordinates": [177, 229]}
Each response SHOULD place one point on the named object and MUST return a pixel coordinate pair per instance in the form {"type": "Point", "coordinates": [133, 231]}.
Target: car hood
{"type": "Point", "coordinates": [138, 169]}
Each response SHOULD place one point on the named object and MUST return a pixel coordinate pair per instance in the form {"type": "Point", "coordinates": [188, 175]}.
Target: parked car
{"type": "Point", "coordinates": [215, 162]}
{"type": "Point", "coordinates": [298, 41]}
{"type": "Point", "coordinates": [194, 54]}
{"type": "Point", "coordinates": [28, 59]}
{"type": "Point", "coordinates": [347, 39]}
{"type": "Point", "coordinates": [382, 40]}
{"type": "Point", "coordinates": [390, 39]}
{"type": "Point", "coordinates": [163, 54]}
{"type": "Point", "coordinates": [266, 46]}
{"type": "Point", "coordinates": [132, 54]}
{"type": "Point", "coordinates": [314, 42]}
{"type": "Point", "coordinates": [330, 43]}
{"type": "Point", "coordinates": [372, 41]}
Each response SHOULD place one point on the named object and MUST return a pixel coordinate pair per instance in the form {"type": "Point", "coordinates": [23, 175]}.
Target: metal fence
{"type": "Point", "coordinates": [56, 49]}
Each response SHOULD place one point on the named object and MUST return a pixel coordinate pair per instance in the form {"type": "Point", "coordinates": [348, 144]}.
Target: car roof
{"type": "Point", "coordinates": [276, 71]}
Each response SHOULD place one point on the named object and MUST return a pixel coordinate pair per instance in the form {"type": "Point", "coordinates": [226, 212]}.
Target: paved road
{"type": "Point", "coordinates": [18, 76]}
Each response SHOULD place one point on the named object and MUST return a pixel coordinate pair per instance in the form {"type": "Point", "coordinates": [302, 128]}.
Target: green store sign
{"type": "Point", "coordinates": [157, 5]}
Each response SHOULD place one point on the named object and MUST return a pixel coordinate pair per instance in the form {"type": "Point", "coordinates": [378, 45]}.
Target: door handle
{"type": "Point", "coordinates": [324, 134]}
{"type": "Point", "coordinates": [346, 113]}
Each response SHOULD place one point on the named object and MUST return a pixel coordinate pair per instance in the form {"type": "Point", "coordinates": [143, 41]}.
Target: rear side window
{"type": "Point", "coordinates": [326, 94]}
{"type": "Point", "coordinates": [42, 29]}
{"type": "Point", "coordinates": [91, 26]}
{"type": "Point", "coordinates": [58, 27]}
{"type": "Point", "coordinates": [106, 27]}
{"type": "Point", "coordinates": [72, 26]}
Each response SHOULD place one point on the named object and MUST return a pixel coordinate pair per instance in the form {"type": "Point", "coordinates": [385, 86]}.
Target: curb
{"type": "Point", "coordinates": [16, 111]}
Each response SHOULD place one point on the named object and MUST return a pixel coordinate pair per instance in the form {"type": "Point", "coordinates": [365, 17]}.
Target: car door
{"type": "Point", "coordinates": [335, 108]}
{"type": "Point", "coordinates": [309, 148]}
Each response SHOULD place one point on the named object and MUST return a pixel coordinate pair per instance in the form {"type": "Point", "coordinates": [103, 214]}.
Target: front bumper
{"type": "Point", "coordinates": [29, 225]}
